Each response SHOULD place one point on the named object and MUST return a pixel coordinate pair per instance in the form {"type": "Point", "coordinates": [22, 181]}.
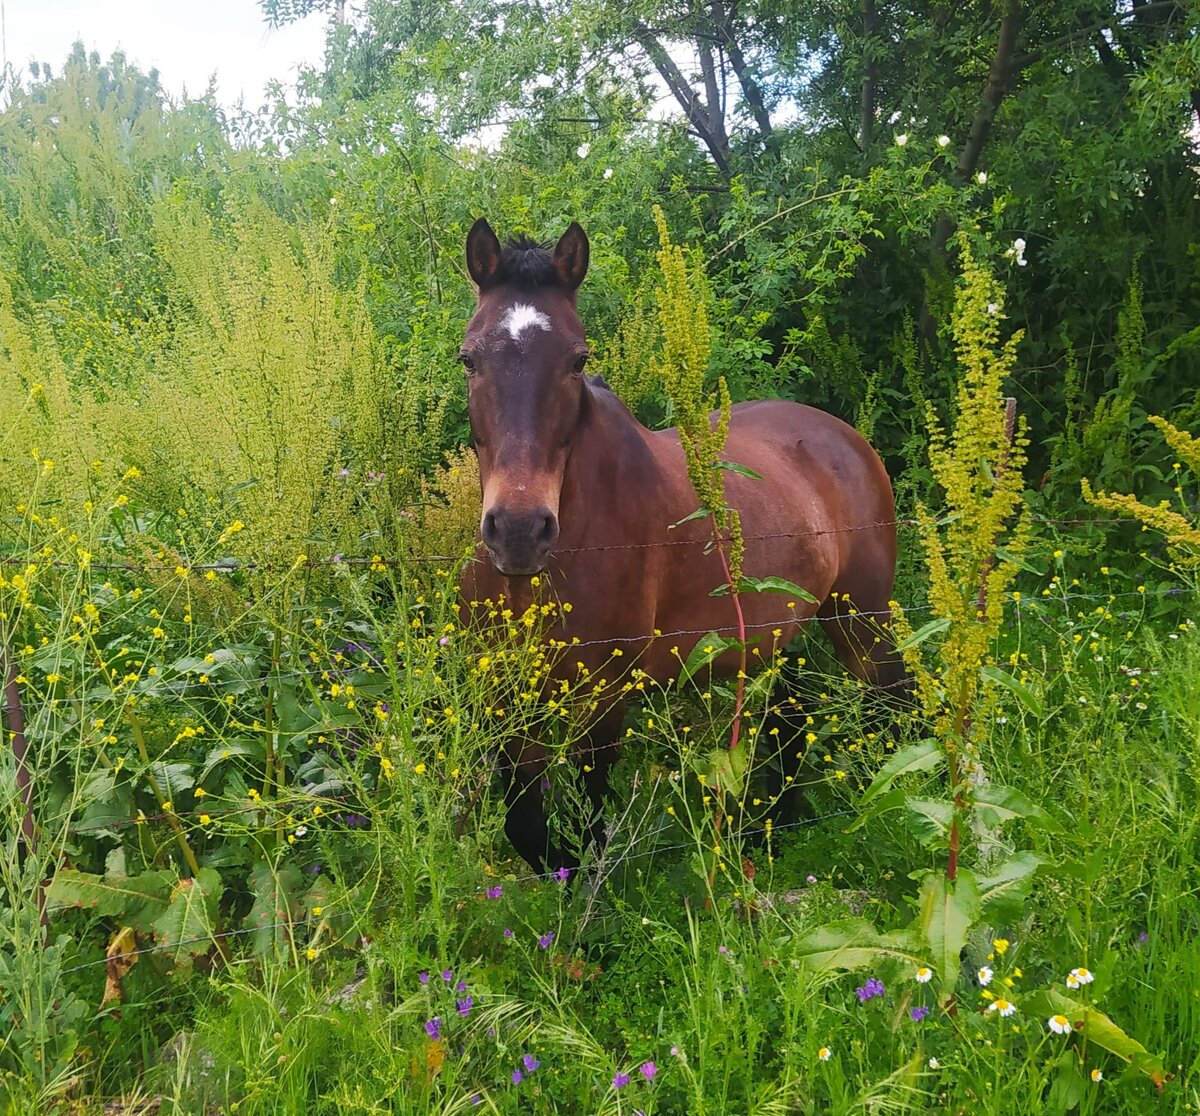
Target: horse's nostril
{"type": "Point", "coordinates": [489, 528]}
{"type": "Point", "coordinates": [549, 530]}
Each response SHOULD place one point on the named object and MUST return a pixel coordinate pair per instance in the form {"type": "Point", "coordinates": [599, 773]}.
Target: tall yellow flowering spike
{"type": "Point", "coordinates": [978, 468]}
{"type": "Point", "coordinates": [1182, 534]}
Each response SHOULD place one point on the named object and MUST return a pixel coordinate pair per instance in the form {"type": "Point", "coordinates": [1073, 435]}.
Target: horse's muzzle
{"type": "Point", "coordinates": [519, 542]}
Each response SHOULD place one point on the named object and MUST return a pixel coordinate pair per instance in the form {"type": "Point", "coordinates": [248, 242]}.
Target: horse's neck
{"type": "Point", "coordinates": [611, 463]}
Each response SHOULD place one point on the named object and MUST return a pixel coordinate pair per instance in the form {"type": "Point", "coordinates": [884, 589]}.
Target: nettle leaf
{"type": "Point", "coordinates": [136, 900]}
{"type": "Point", "coordinates": [946, 914]}
{"type": "Point", "coordinates": [999, 804]}
{"type": "Point", "coordinates": [1098, 1028]}
{"type": "Point", "coordinates": [707, 648]}
{"type": "Point", "coordinates": [855, 943]}
{"type": "Point", "coordinates": [1003, 893]}
{"type": "Point", "coordinates": [187, 928]}
{"type": "Point", "coordinates": [276, 905]}
{"type": "Point", "coordinates": [923, 756]}
{"type": "Point", "coordinates": [1019, 690]}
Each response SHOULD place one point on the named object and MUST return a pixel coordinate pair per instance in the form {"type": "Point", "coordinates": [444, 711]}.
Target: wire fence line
{"type": "Point", "coordinates": [233, 565]}
{"type": "Point", "coordinates": [384, 905]}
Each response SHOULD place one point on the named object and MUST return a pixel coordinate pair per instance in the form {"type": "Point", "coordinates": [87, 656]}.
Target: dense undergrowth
{"type": "Point", "coordinates": [254, 857]}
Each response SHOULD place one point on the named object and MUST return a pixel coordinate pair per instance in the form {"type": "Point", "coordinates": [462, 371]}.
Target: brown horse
{"type": "Point", "coordinates": [573, 485]}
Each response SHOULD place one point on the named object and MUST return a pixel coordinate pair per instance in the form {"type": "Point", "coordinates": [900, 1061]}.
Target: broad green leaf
{"type": "Point", "coordinates": [923, 633]}
{"type": "Point", "coordinates": [185, 930]}
{"type": "Point", "coordinates": [1000, 804]}
{"type": "Point", "coordinates": [854, 943]}
{"type": "Point", "coordinates": [947, 913]}
{"type": "Point", "coordinates": [734, 467]}
{"type": "Point", "coordinates": [135, 900]}
{"type": "Point", "coordinates": [1003, 893]}
{"type": "Point", "coordinates": [707, 648]}
{"type": "Point", "coordinates": [892, 800]}
{"type": "Point", "coordinates": [227, 751]}
{"type": "Point", "coordinates": [1097, 1028]}
{"type": "Point", "coordinates": [1019, 690]}
{"type": "Point", "coordinates": [1067, 1089]}
{"type": "Point", "coordinates": [778, 585]}
{"type": "Point", "coordinates": [174, 779]}
{"type": "Point", "coordinates": [726, 769]}
{"type": "Point", "coordinates": [930, 819]}
{"type": "Point", "coordinates": [700, 513]}
{"type": "Point", "coordinates": [275, 905]}
{"type": "Point", "coordinates": [923, 756]}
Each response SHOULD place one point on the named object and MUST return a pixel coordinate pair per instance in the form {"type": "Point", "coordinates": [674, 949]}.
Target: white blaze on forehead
{"type": "Point", "coordinates": [520, 317]}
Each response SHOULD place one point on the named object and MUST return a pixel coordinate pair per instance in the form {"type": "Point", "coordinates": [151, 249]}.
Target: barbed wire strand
{"type": "Point", "coordinates": [178, 688]}
{"type": "Point", "coordinates": [232, 565]}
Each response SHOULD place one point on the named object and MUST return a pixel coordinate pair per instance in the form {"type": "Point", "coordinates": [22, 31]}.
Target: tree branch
{"type": "Point", "coordinates": [718, 145]}
{"type": "Point", "coordinates": [867, 96]}
{"type": "Point", "coordinates": [751, 90]}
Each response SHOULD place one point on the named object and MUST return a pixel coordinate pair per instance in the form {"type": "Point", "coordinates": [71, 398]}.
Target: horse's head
{"type": "Point", "coordinates": [524, 354]}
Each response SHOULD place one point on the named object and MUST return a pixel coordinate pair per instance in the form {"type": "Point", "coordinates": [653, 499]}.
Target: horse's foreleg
{"type": "Point", "coordinates": [857, 620]}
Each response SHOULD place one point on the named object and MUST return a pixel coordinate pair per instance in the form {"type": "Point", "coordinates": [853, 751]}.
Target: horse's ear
{"type": "Point", "coordinates": [571, 257]}
{"type": "Point", "coordinates": [483, 253]}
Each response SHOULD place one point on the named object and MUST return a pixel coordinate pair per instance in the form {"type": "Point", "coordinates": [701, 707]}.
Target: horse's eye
{"type": "Point", "coordinates": [467, 361]}
{"type": "Point", "coordinates": [578, 364]}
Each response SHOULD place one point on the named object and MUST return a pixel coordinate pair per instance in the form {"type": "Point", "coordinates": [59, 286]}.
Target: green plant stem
{"type": "Point", "coordinates": [140, 739]}
{"type": "Point", "coordinates": [739, 699]}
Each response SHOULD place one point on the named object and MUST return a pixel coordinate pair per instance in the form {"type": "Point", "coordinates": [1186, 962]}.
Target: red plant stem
{"type": "Point", "coordinates": [739, 700]}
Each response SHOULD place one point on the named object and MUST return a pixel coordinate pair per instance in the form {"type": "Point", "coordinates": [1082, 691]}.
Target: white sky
{"type": "Point", "coordinates": [187, 40]}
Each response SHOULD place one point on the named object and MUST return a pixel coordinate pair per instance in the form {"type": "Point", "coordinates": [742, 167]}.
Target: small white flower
{"type": "Point", "coordinates": [993, 308]}
{"type": "Point", "coordinates": [1059, 1024]}
{"type": "Point", "coordinates": [1072, 980]}
{"type": "Point", "coordinates": [902, 139]}
{"type": "Point", "coordinates": [923, 975]}
{"type": "Point", "coordinates": [1017, 251]}
{"type": "Point", "coordinates": [981, 178]}
{"type": "Point", "coordinates": [985, 976]}
{"type": "Point", "coordinates": [943, 141]}
{"type": "Point", "coordinates": [1097, 1075]}
{"type": "Point", "coordinates": [607, 173]}
{"type": "Point", "coordinates": [824, 1053]}
{"type": "Point", "coordinates": [1003, 1006]}
{"type": "Point", "coordinates": [583, 149]}
{"type": "Point", "coordinates": [301, 830]}
{"type": "Point", "coordinates": [1082, 976]}
{"type": "Point", "coordinates": [934, 1063]}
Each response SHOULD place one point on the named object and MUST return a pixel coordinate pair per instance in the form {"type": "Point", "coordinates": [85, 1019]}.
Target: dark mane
{"type": "Point", "coordinates": [528, 264]}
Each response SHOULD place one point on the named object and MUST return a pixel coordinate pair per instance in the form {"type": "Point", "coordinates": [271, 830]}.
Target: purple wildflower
{"type": "Point", "coordinates": [517, 1077]}
{"type": "Point", "coordinates": [620, 1080]}
{"type": "Point", "coordinates": [507, 932]}
{"type": "Point", "coordinates": [464, 1006]}
{"type": "Point", "coordinates": [649, 1070]}
{"type": "Point", "coordinates": [530, 1062]}
{"type": "Point", "coordinates": [722, 950]}
{"type": "Point", "coordinates": [869, 990]}
{"type": "Point", "coordinates": [476, 1099]}
{"type": "Point", "coordinates": [495, 892]}
{"type": "Point", "coordinates": [443, 641]}
{"type": "Point", "coordinates": [461, 986]}
{"type": "Point", "coordinates": [562, 875]}
{"type": "Point", "coordinates": [433, 1028]}
{"type": "Point", "coordinates": [918, 1013]}
{"type": "Point", "coordinates": [447, 975]}
{"type": "Point", "coordinates": [423, 978]}
{"type": "Point", "coordinates": [546, 939]}
{"type": "Point", "coordinates": [811, 879]}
